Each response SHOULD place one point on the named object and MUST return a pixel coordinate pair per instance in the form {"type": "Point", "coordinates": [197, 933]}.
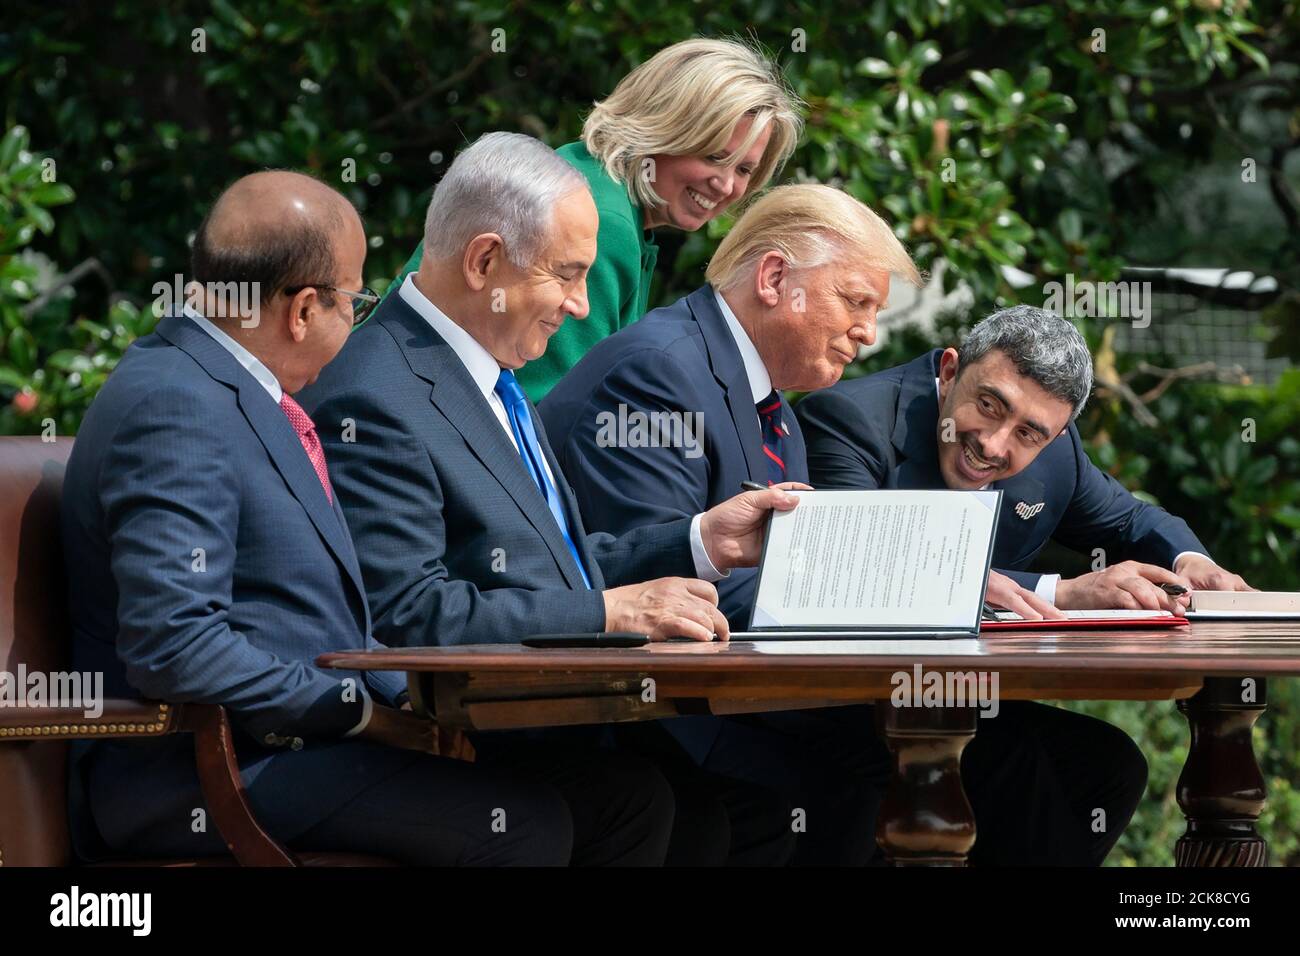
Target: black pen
{"type": "Point", "coordinates": [1174, 589]}
{"type": "Point", "coordinates": [752, 486]}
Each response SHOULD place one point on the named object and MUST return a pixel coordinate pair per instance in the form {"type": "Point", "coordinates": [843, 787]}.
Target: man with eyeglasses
{"type": "Point", "coordinates": [363, 302]}
{"type": "Point", "coordinates": [208, 560]}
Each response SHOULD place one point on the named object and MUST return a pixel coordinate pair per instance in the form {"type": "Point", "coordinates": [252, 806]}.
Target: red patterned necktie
{"type": "Point", "coordinates": [302, 424]}
{"type": "Point", "coordinates": [769, 417]}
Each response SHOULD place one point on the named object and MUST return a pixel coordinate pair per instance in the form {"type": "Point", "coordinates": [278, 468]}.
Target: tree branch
{"type": "Point", "coordinates": [404, 109]}
{"type": "Point", "coordinates": [71, 277]}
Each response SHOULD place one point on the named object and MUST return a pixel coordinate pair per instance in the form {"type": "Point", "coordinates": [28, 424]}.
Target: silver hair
{"type": "Point", "coordinates": [1042, 345]}
{"type": "Point", "coordinates": [506, 183]}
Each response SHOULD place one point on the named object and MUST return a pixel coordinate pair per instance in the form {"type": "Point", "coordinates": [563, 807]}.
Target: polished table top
{"type": "Point", "coordinates": [1210, 667]}
{"type": "Point", "coordinates": [1201, 648]}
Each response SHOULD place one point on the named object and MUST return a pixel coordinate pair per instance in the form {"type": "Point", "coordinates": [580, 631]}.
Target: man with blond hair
{"type": "Point", "coordinates": [671, 414]}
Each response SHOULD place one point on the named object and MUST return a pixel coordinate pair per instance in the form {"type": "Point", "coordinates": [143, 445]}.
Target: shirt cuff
{"type": "Point", "coordinates": [704, 569]}
{"type": "Point", "coordinates": [1046, 587]}
{"type": "Point", "coordinates": [1182, 554]}
{"type": "Point", "coordinates": [367, 708]}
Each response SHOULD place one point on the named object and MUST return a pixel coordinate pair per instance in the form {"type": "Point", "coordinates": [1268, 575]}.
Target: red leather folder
{"type": "Point", "coordinates": [1085, 623]}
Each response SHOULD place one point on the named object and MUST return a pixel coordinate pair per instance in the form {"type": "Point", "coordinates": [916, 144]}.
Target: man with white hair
{"type": "Point", "coordinates": [466, 529]}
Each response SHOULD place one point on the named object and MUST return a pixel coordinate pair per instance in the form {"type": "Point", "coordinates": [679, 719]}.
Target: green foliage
{"type": "Point", "coordinates": [1161, 731]}
{"type": "Point", "coordinates": [51, 366]}
{"type": "Point", "coordinates": [1057, 138]}
{"type": "Point", "coordinates": [1229, 462]}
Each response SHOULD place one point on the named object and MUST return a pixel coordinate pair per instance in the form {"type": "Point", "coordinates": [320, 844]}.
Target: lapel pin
{"type": "Point", "coordinates": [1026, 510]}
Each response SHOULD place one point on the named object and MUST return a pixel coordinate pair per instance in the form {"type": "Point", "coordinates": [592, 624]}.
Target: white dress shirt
{"type": "Point", "coordinates": [244, 357]}
{"type": "Point", "coordinates": [273, 388]}
{"type": "Point", "coordinates": [760, 386]}
{"type": "Point", "coordinates": [760, 383]}
{"type": "Point", "coordinates": [485, 371]}
{"type": "Point", "coordinates": [478, 361]}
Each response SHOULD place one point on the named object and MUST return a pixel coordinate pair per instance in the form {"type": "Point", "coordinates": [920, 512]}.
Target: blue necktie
{"type": "Point", "coordinates": [530, 450]}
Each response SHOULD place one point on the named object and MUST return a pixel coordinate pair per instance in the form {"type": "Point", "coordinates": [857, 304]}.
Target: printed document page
{"type": "Point", "coordinates": [877, 559]}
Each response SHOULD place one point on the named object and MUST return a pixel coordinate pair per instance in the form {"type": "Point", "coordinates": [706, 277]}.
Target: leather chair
{"type": "Point", "coordinates": [33, 742]}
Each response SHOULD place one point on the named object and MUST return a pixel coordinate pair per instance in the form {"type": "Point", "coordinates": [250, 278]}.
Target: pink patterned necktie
{"type": "Point", "coordinates": [302, 424]}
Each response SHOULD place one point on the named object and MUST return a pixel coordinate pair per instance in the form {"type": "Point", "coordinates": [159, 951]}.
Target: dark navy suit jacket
{"type": "Point", "coordinates": [457, 545]}
{"type": "Point", "coordinates": [682, 360]}
{"type": "Point", "coordinates": [880, 431]}
{"type": "Point", "coordinates": [206, 564]}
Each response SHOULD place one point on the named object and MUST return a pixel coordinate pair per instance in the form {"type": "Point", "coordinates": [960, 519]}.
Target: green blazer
{"type": "Point", "coordinates": [618, 285]}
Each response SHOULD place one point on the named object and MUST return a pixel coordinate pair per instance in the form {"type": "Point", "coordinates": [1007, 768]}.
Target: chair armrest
{"type": "Point", "coordinates": [118, 718]}
{"type": "Point", "coordinates": [214, 755]}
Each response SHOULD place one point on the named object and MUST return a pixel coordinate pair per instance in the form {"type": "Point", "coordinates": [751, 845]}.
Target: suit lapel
{"type": "Point", "coordinates": [915, 428]}
{"type": "Point", "coordinates": [454, 393]}
{"type": "Point", "coordinates": [279, 439]}
{"type": "Point", "coordinates": [729, 371]}
{"type": "Point", "coordinates": [570, 504]}
{"type": "Point", "coordinates": [914, 438]}
{"type": "Point", "coordinates": [286, 451]}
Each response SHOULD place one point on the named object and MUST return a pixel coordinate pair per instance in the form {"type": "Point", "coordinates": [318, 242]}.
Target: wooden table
{"type": "Point", "coordinates": [1215, 671]}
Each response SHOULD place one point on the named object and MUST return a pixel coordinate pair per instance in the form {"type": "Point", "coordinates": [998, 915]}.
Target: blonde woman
{"type": "Point", "coordinates": [686, 135]}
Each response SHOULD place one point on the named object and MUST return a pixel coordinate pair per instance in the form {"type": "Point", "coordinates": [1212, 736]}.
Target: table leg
{"type": "Point", "coordinates": [1221, 789]}
{"type": "Point", "coordinates": [925, 819]}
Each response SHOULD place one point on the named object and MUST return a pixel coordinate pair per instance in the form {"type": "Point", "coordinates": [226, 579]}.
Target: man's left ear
{"type": "Point", "coordinates": [303, 309]}
{"type": "Point", "coordinates": [770, 277]}
{"type": "Point", "coordinates": [948, 366]}
{"type": "Point", "coordinates": [948, 369]}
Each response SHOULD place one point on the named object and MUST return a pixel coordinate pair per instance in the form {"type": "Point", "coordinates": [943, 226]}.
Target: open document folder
{"type": "Point", "coordinates": [869, 564]}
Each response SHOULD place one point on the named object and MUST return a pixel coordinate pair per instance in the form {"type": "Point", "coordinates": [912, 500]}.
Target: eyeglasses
{"type": "Point", "coordinates": [363, 302]}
